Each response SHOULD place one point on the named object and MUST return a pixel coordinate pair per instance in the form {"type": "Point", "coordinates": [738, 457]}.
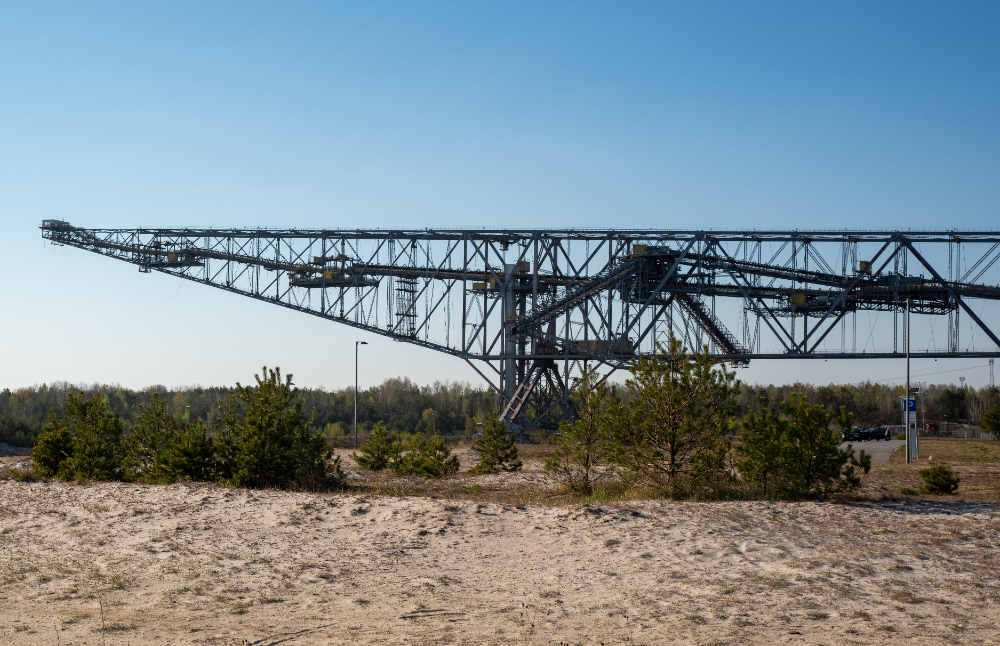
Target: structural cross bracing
{"type": "Point", "coordinates": [533, 307]}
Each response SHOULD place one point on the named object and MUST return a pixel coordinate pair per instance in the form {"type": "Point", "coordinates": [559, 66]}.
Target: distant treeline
{"type": "Point", "coordinates": [876, 404]}
{"type": "Point", "coordinates": [442, 408]}
{"type": "Point", "coordinates": [451, 408]}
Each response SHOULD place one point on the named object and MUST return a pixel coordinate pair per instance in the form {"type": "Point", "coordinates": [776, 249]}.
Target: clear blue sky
{"type": "Point", "coordinates": [328, 114]}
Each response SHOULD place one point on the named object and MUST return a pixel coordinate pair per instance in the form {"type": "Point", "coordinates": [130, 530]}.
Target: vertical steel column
{"type": "Point", "coordinates": [465, 286]}
{"type": "Point", "coordinates": [509, 340]}
{"type": "Point", "coordinates": [534, 287]}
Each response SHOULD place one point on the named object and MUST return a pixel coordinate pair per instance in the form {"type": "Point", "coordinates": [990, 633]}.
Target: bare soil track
{"type": "Point", "coordinates": [124, 564]}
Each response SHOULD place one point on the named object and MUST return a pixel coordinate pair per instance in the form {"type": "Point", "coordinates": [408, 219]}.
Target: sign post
{"type": "Point", "coordinates": [908, 405]}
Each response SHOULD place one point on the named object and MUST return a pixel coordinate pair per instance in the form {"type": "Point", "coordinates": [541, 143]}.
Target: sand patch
{"type": "Point", "coordinates": [187, 564]}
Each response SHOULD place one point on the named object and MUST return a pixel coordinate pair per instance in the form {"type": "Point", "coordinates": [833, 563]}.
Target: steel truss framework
{"type": "Point", "coordinates": [535, 306]}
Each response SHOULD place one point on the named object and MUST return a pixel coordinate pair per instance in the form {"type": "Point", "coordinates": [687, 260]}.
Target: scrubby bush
{"type": "Point", "coordinates": [262, 439]}
{"type": "Point", "coordinates": [673, 432]}
{"type": "Point", "coordinates": [790, 450]}
{"type": "Point", "coordinates": [380, 451]}
{"type": "Point", "coordinates": [496, 448]}
{"type": "Point", "coordinates": [84, 444]}
{"type": "Point", "coordinates": [939, 480]}
{"type": "Point", "coordinates": [149, 441]}
{"type": "Point", "coordinates": [271, 443]}
{"type": "Point", "coordinates": [17, 432]}
{"type": "Point", "coordinates": [582, 453]}
{"type": "Point", "coordinates": [991, 420]}
{"type": "Point", "coordinates": [764, 437]}
{"type": "Point", "coordinates": [55, 446]}
{"type": "Point", "coordinates": [430, 458]}
{"type": "Point", "coordinates": [190, 455]}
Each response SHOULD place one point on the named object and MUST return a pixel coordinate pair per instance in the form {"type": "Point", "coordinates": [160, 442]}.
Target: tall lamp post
{"type": "Point", "coordinates": [356, 344]}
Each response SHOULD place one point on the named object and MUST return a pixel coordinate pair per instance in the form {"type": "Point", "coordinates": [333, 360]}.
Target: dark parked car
{"type": "Point", "coordinates": [852, 434]}
{"type": "Point", "coordinates": [880, 434]}
{"type": "Point", "coordinates": [865, 435]}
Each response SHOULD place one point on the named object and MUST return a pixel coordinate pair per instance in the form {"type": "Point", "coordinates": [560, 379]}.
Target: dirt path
{"type": "Point", "coordinates": [880, 451]}
{"type": "Point", "coordinates": [209, 565]}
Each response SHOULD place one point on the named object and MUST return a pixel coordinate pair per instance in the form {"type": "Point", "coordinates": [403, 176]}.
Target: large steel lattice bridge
{"type": "Point", "coordinates": [529, 308]}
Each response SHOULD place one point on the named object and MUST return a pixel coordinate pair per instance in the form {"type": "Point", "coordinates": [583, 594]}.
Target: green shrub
{"type": "Point", "coordinates": [84, 444]}
{"type": "Point", "coordinates": [789, 451]}
{"type": "Point", "coordinates": [55, 446]}
{"type": "Point", "coordinates": [939, 480]}
{"type": "Point", "coordinates": [380, 451]}
{"type": "Point", "coordinates": [188, 455]}
{"type": "Point", "coordinates": [430, 458]}
{"type": "Point", "coordinates": [262, 440]}
{"type": "Point", "coordinates": [581, 456]}
{"type": "Point", "coordinates": [673, 433]}
{"type": "Point", "coordinates": [991, 419]}
{"type": "Point", "coordinates": [759, 460]}
{"type": "Point", "coordinates": [496, 448]}
{"type": "Point", "coordinates": [17, 432]}
{"type": "Point", "coordinates": [148, 443]}
{"type": "Point", "coordinates": [271, 444]}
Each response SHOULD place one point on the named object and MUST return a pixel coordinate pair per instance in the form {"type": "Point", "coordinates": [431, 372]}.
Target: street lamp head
{"type": "Point", "coordinates": [360, 343]}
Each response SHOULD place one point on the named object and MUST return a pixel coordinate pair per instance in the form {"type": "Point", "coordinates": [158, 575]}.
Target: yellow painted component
{"type": "Point", "coordinates": [639, 249]}
{"type": "Point", "coordinates": [799, 298]}
{"type": "Point", "coordinates": [493, 281]}
{"type": "Point", "coordinates": [478, 285]}
{"type": "Point", "coordinates": [524, 267]}
{"type": "Point", "coordinates": [864, 267]}
{"type": "Point", "coordinates": [171, 257]}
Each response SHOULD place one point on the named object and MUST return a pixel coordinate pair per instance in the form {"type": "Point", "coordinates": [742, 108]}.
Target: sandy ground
{"type": "Point", "coordinates": [190, 564]}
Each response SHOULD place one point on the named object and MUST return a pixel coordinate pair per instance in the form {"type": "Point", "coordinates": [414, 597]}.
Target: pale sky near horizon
{"type": "Point", "coordinates": [413, 114]}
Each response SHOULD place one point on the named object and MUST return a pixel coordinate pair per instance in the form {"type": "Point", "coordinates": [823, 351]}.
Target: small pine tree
{"type": "Point", "coordinates": [991, 420]}
{"type": "Point", "coordinates": [272, 444]}
{"type": "Point", "coordinates": [55, 446]}
{"type": "Point", "coordinates": [496, 449]}
{"type": "Point", "coordinates": [581, 457]}
{"type": "Point", "coordinates": [85, 444]}
{"type": "Point", "coordinates": [793, 453]}
{"type": "Point", "coordinates": [430, 458]}
{"type": "Point", "coordinates": [226, 433]}
{"type": "Point", "coordinates": [939, 480]}
{"type": "Point", "coordinates": [380, 451]}
{"type": "Point", "coordinates": [763, 435]}
{"type": "Point", "coordinates": [188, 455]}
{"type": "Point", "coordinates": [148, 440]}
{"type": "Point", "coordinates": [673, 432]}
{"type": "Point", "coordinates": [812, 458]}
